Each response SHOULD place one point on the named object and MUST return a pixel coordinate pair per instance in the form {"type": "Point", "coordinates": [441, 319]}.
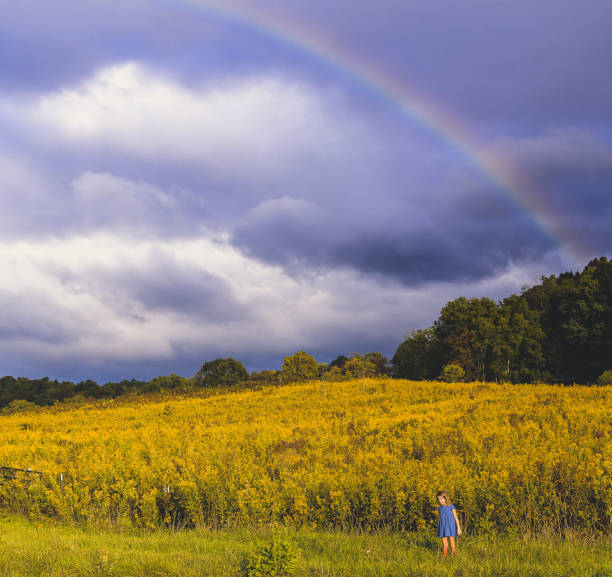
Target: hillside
{"type": "Point", "coordinates": [358, 454]}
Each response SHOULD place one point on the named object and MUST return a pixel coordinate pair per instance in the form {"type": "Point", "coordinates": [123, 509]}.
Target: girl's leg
{"type": "Point", "coordinates": [452, 544]}
{"type": "Point", "coordinates": [445, 546]}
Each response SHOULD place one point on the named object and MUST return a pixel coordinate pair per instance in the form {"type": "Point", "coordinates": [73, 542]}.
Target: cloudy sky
{"type": "Point", "coordinates": [182, 180]}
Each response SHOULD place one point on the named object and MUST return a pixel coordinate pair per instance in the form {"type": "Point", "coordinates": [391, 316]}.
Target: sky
{"type": "Point", "coordinates": [184, 180]}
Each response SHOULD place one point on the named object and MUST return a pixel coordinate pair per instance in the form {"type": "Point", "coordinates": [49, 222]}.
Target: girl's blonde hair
{"type": "Point", "coordinates": [445, 496]}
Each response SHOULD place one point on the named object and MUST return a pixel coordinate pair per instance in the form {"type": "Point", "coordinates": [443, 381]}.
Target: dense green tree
{"type": "Point", "coordinates": [165, 383]}
{"type": "Point", "coordinates": [358, 367]}
{"type": "Point", "coordinates": [265, 377]}
{"type": "Point", "coordinates": [470, 331]}
{"type": "Point", "coordinates": [452, 374]}
{"type": "Point", "coordinates": [299, 367]}
{"type": "Point", "coordinates": [419, 356]}
{"type": "Point", "coordinates": [114, 389]}
{"type": "Point", "coordinates": [522, 359]}
{"type": "Point", "coordinates": [380, 362]}
{"type": "Point", "coordinates": [493, 342]}
{"type": "Point", "coordinates": [338, 362]}
{"type": "Point", "coordinates": [576, 318]}
{"type": "Point", "coordinates": [557, 331]}
{"type": "Point", "coordinates": [334, 374]}
{"type": "Point", "coordinates": [43, 391]}
{"type": "Point", "coordinates": [221, 372]}
{"type": "Point", "coordinates": [87, 388]}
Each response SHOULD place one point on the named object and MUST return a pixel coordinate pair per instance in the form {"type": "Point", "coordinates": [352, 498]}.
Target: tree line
{"type": "Point", "coordinates": [558, 331]}
{"type": "Point", "coordinates": [20, 393]}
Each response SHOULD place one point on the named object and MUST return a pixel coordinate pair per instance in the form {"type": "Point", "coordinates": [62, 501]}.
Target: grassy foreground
{"type": "Point", "coordinates": [44, 549]}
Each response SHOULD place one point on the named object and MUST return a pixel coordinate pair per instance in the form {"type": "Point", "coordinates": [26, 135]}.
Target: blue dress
{"type": "Point", "coordinates": [446, 521]}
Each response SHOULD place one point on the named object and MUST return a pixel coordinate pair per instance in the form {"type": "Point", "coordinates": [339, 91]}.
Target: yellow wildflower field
{"type": "Point", "coordinates": [362, 454]}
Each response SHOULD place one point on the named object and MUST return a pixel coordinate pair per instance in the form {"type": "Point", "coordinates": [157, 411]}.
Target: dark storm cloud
{"type": "Point", "coordinates": [287, 230]}
{"type": "Point", "coordinates": [473, 233]}
{"type": "Point", "coordinates": [436, 256]}
{"type": "Point", "coordinates": [198, 294]}
{"type": "Point", "coordinates": [158, 282]}
{"type": "Point", "coordinates": [472, 236]}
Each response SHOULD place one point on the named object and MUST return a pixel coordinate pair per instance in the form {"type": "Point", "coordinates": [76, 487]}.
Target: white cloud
{"type": "Point", "coordinates": [106, 188]}
{"type": "Point", "coordinates": [103, 200]}
{"type": "Point", "coordinates": [252, 126]}
{"type": "Point", "coordinates": [110, 299]}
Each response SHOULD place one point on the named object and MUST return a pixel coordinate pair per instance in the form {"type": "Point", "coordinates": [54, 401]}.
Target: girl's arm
{"type": "Point", "coordinates": [457, 521]}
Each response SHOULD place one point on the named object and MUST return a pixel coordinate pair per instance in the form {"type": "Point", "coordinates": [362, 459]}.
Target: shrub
{"type": "Point", "coordinates": [452, 373]}
{"type": "Point", "coordinates": [18, 406]}
{"type": "Point", "coordinates": [605, 378]}
{"type": "Point", "coordinates": [275, 559]}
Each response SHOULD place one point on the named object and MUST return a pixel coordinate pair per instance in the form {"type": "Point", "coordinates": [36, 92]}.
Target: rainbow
{"type": "Point", "coordinates": [418, 107]}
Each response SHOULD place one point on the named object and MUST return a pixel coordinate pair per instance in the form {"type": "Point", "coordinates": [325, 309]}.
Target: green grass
{"type": "Point", "coordinates": [44, 549]}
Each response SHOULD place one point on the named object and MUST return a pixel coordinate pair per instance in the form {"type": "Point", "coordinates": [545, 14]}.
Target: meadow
{"type": "Point", "coordinates": [363, 455]}
{"type": "Point", "coordinates": [51, 549]}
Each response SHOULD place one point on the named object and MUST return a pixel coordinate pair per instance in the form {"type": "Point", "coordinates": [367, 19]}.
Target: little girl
{"type": "Point", "coordinates": [448, 522]}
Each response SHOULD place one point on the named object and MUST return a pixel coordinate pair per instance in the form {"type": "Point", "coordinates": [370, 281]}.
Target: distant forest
{"type": "Point", "coordinates": [559, 331]}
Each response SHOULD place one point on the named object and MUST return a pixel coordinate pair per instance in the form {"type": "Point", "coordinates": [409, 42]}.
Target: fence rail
{"type": "Point", "coordinates": [14, 474]}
